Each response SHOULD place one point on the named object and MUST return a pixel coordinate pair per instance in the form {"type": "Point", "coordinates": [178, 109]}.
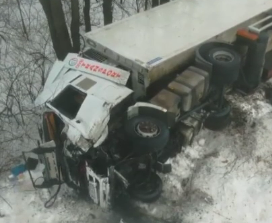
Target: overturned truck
{"type": "Point", "coordinates": [112, 114]}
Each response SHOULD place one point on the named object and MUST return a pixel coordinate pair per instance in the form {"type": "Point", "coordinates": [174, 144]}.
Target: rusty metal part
{"type": "Point", "coordinates": [184, 92]}
{"type": "Point", "coordinates": [167, 100]}
{"type": "Point", "coordinates": [189, 128]}
{"type": "Point", "coordinates": [147, 129]}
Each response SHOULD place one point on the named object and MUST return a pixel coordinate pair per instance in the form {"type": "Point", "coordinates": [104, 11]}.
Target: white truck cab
{"type": "Point", "coordinates": [82, 93]}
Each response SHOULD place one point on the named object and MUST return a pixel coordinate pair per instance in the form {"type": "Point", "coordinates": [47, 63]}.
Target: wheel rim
{"type": "Point", "coordinates": [223, 56]}
{"type": "Point", "coordinates": [147, 129]}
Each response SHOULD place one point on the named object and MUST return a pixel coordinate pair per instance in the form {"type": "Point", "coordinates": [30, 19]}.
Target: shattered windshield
{"type": "Point", "coordinates": [69, 101]}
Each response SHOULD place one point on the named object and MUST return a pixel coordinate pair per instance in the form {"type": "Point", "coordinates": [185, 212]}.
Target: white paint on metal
{"type": "Point", "coordinates": [262, 25]}
{"type": "Point", "coordinates": [93, 116]}
{"type": "Point", "coordinates": [134, 109]}
{"type": "Point", "coordinates": [172, 31]}
{"type": "Point", "coordinates": [102, 138]}
{"type": "Point", "coordinates": [146, 104]}
{"type": "Point", "coordinates": [175, 26]}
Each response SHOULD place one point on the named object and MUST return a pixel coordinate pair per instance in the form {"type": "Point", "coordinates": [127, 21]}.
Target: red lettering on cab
{"type": "Point", "coordinates": [96, 68]}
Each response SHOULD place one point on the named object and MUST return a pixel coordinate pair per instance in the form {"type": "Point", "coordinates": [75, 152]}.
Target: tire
{"type": "Point", "coordinates": [218, 120]}
{"type": "Point", "coordinates": [145, 193]}
{"type": "Point", "coordinates": [226, 65]}
{"type": "Point", "coordinates": [151, 142]}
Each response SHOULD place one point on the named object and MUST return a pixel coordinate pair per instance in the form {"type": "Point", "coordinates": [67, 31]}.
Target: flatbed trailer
{"type": "Point", "coordinates": [154, 43]}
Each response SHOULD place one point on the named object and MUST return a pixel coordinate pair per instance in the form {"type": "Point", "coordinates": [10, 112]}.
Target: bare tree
{"type": "Point", "coordinates": [75, 23]}
{"type": "Point", "coordinates": [86, 13]}
{"type": "Point", "coordinates": [137, 6]}
{"type": "Point", "coordinates": [57, 26]}
{"type": "Point", "coordinates": [107, 11]}
{"type": "Point", "coordinates": [23, 67]}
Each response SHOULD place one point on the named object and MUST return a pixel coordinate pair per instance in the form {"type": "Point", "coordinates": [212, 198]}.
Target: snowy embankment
{"type": "Point", "coordinates": [225, 177]}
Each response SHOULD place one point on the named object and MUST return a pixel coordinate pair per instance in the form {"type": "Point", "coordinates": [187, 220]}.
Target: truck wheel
{"type": "Point", "coordinates": [226, 65]}
{"type": "Point", "coordinates": [218, 120]}
{"type": "Point", "coordinates": [147, 134]}
{"type": "Point", "coordinates": [149, 191]}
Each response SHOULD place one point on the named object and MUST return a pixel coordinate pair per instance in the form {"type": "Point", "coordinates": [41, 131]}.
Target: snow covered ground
{"type": "Point", "coordinates": [224, 177]}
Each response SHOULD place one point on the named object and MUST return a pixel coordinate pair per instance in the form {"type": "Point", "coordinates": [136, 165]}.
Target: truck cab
{"type": "Point", "coordinates": [83, 94]}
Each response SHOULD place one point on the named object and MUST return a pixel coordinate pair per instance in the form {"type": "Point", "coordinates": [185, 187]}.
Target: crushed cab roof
{"type": "Point", "coordinates": [101, 86]}
{"type": "Point", "coordinates": [81, 72]}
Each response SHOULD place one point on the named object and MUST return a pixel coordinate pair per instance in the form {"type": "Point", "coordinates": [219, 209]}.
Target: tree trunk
{"type": "Point", "coordinates": [57, 27]}
{"type": "Point", "coordinates": [156, 2]}
{"type": "Point", "coordinates": [87, 18]}
{"type": "Point", "coordinates": [137, 6]}
{"type": "Point", "coordinates": [164, 1]}
{"type": "Point", "coordinates": [75, 23]}
{"type": "Point", "coordinates": [107, 11]}
{"type": "Point", "coordinates": [146, 5]}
